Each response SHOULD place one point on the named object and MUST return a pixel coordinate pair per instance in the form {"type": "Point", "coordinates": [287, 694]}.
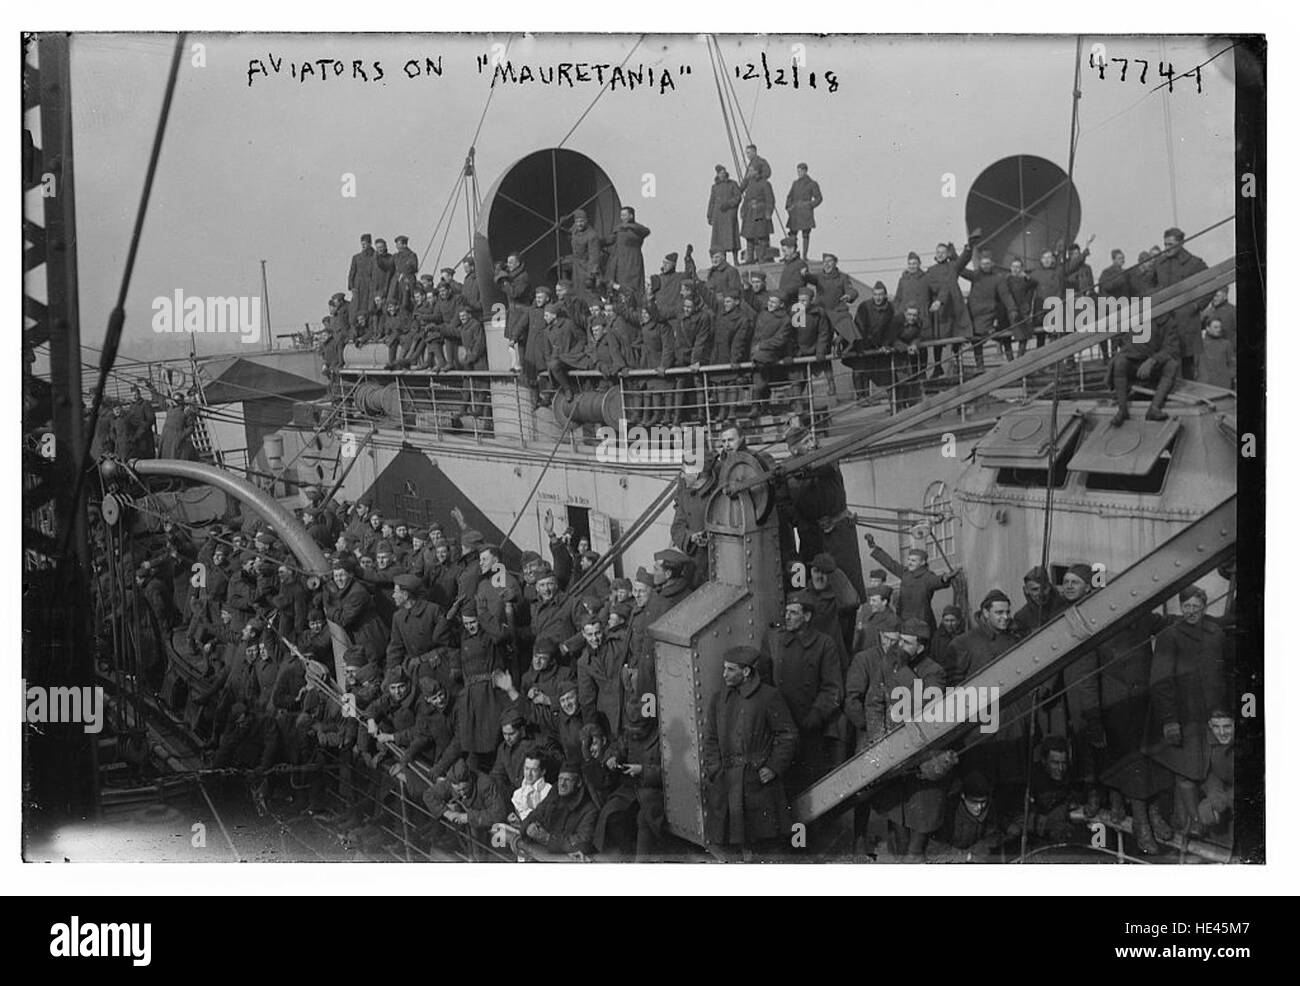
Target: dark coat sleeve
{"type": "Point", "coordinates": [855, 691]}
{"type": "Point", "coordinates": [785, 737]}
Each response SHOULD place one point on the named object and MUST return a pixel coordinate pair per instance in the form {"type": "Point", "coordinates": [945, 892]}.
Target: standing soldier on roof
{"type": "Point", "coordinates": [804, 196]}
{"type": "Point", "coordinates": [724, 201]}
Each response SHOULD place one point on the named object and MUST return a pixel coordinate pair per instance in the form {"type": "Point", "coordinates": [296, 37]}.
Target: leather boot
{"type": "Point", "coordinates": [1142, 833]}
{"type": "Point", "coordinates": [1159, 827]}
{"type": "Point", "coordinates": [1121, 411]}
{"type": "Point", "coordinates": [1156, 411]}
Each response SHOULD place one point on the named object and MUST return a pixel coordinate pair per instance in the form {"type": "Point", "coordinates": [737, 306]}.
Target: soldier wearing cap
{"type": "Point", "coordinates": [1173, 265]}
{"type": "Point", "coordinates": [671, 564]}
{"type": "Point", "coordinates": [874, 617]}
{"type": "Point", "coordinates": [666, 286]}
{"type": "Point", "coordinates": [545, 679]}
{"type": "Point", "coordinates": [758, 201]}
{"type": "Point", "coordinates": [917, 584]}
{"type": "Point", "coordinates": [753, 292]}
{"type": "Point", "coordinates": [639, 656]}
{"type": "Point", "coordinates": [994, 633]}
{"type": "Point", "coordinates": [821, 514]}
{"type": "Point", "coordinates": [913, 804]}
{"type": "Point", "coordinates": [468, 798]}
{"type": "Point", "coordinates": [720, 279]}
{"type": "Point", "coordinates": [420, 628]}
{"type": "Point", "coordinates": [479, 702]}
{"type": "Point", "coordinates": [750, 741]}
{"type": "Point", "coordinates": [724, 202]}
{"type": "Point", "coordinates": [516, 744]}
{"type": "Point", "coordinates": [805, 195]}
{"type": "Point", "coordinates": [625, 267]}
{"type": "Point", "coordinates": [812, 328]}
{"type": "Point", "coordinates": [349, 604]}
{"type": "Point", "coordinates": [835, 294]}
{"type": "Point", "coordinates": [794, 269]}
{"type": "Point", "coordinates": [688, 528]}
{"type": "Point", "coordinates": [565, 822]}
{"type": "Point", "coordinates": [361, 273]}
{"type": "Point", "coordinates": [1042, 601]}
{"type": "Point", "coordinates": [952, 624]}
{"type": "Point", "coordinates": [807, 667]}
{"type": "Point", "coordinates": [947, 314]}
{"type": "Point", "coordinates": [1077, 711]}
{"type": "Point", "coordinates": [553, 619]}
{"type": "Point", "coordinates": [989, 304]}
{"type": "Point", "coordinates": [600, 680]}
{"type": "Point", "coordinates": [585, 251]}
{"type": "Point", "coordinates": [836, 599]}
{"type": "Point", "coordinates": [773, 338]}
{"type": "Point", "coordinates": [870, 356]}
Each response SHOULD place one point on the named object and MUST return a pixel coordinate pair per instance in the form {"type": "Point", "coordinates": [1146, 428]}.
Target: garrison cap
{"type": "Point", "coordinates": [915, 628]}
{"type": "Point", "coordinates": [1080, 571]}
{"type": "Point", "coordinates": [825, 562]}
{"type": "Point", "coordinates": [994, 596]}
{"type": "Point", "coordinates": [411, 583]}
{"type": "Point", "coordinates": [743, 655]}
{"type": "Point", "coordinates": [671, 556]}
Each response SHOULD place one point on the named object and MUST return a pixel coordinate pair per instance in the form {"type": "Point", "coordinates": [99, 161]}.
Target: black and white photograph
{"type": "Point", "coordinates": [588, 447]}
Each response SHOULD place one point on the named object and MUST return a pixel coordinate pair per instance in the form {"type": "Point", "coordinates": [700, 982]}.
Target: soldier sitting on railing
{"type": "Point", "coordinates": [397, 332]}
{"type": "Point", "coordinates": [565, 348]}
{"type": "Point", "coordinates": [658, 353]}
{"type": "Point", "coordinates": [909, 365]}
{"type": "Point", "coordinates": [1159, 357]}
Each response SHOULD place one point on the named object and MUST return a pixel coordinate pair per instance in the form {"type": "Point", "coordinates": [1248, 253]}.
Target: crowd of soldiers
{"type": "Point", "coordinates": [602, 314]}
{"type": "Point", "coordinates": [519, 707]}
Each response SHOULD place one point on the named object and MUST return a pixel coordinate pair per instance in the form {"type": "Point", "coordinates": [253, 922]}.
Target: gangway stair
{"type": "Point", "coordinates": [1177, 563]}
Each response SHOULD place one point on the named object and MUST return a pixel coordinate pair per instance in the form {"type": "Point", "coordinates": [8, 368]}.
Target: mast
{"type": "Point", "coordinates": [266, 309]}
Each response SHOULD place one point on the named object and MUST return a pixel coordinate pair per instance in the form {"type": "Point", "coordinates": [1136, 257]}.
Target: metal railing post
{"type": "Point", "coordinates": [958, 358]}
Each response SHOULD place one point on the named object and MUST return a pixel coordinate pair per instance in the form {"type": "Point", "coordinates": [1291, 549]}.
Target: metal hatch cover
{"type": "Point", "coordinates": [1130, 450]}
{"type": "Point", "coordinates": [1021, 440]}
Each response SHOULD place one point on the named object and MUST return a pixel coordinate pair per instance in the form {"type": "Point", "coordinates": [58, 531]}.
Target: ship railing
{"type": "Point", "coordinates": [504, 408]}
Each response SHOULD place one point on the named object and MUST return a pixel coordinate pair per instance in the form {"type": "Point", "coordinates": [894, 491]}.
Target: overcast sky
{"type": "Point", "coordinates": [255, 172]}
